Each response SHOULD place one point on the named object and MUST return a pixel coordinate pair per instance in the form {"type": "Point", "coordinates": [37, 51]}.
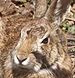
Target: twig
{"type": "Point", "coordinates": [71, 47]}
{"type": "Point", "coordinates": [70, 38]}
{"type": "Point", "coordinates": [72, 10]}
{"type": "Point", "coordinates": [71, 19]}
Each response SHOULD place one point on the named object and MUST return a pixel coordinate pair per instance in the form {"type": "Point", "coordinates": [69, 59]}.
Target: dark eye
{"type": "Point", "coordinates": [28, 31]}
{"type": "Point", "coordinates": [45, 41]}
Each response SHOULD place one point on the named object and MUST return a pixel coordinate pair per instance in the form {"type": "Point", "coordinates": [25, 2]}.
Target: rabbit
{"type": "Point", "coordinates": [41, 51]}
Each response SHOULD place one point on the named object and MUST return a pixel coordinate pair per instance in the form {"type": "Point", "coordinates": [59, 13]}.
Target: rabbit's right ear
{"type": "Point", "coordinates": [57, 10]}
{"type": "Point", "coordinates": [40, 8]}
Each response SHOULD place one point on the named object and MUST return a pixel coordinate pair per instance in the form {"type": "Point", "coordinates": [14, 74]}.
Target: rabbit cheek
{"type": "Point", "coordinates": [46, 49]}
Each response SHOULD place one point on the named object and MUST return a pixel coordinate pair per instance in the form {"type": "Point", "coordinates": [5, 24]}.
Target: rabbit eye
{"type": "Point", "coordinates": [28, 31]}
{"type": "Point", "coordinates": [45, 41]}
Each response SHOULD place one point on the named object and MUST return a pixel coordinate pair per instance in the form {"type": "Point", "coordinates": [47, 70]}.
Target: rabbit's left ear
{"type": "Point", "coordinates": [57, 10]}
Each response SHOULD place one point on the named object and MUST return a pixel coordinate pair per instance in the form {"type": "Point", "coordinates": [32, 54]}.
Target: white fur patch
{"type": "Point", "coordinates": [16, 60]}
{"type": "Point", "coordinates": [46, 35]}
{"type": "Point", "coordinates": [37, 68]}
{"type": "Point", "coordinates": [54, 66]}
{"type": "Point", "coordinates": [26, 62]}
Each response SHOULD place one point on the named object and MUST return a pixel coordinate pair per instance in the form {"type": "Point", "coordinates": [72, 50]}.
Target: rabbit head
{"type": "Point", "coordinates": [33, 46]}
{"type": "Point", "coordinates": [42, 43]}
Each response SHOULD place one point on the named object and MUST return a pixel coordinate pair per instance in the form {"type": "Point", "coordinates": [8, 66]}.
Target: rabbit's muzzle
{"type": "Point", "coordinates": [31, 62]}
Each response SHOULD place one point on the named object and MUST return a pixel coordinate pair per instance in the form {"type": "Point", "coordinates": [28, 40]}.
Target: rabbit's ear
{"type": "Point", "coordinates": [57, 10]}
{"type": "Point", "coordinates": [40, 8]}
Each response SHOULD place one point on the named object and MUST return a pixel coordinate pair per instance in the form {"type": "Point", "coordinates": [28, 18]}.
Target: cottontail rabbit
{"type": "Point", "coordinates": [41, 51]}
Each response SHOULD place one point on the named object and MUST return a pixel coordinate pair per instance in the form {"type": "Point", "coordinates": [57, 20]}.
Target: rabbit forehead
{"type": "Point", "coordinates": [38, 29]}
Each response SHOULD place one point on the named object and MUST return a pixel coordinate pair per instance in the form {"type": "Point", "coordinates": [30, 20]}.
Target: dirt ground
{"type": "Point", "coordinates": [13, 17]}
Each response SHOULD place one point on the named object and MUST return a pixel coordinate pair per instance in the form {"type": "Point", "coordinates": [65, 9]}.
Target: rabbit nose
{"type": "Point", "coordinates": [21, 58]}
